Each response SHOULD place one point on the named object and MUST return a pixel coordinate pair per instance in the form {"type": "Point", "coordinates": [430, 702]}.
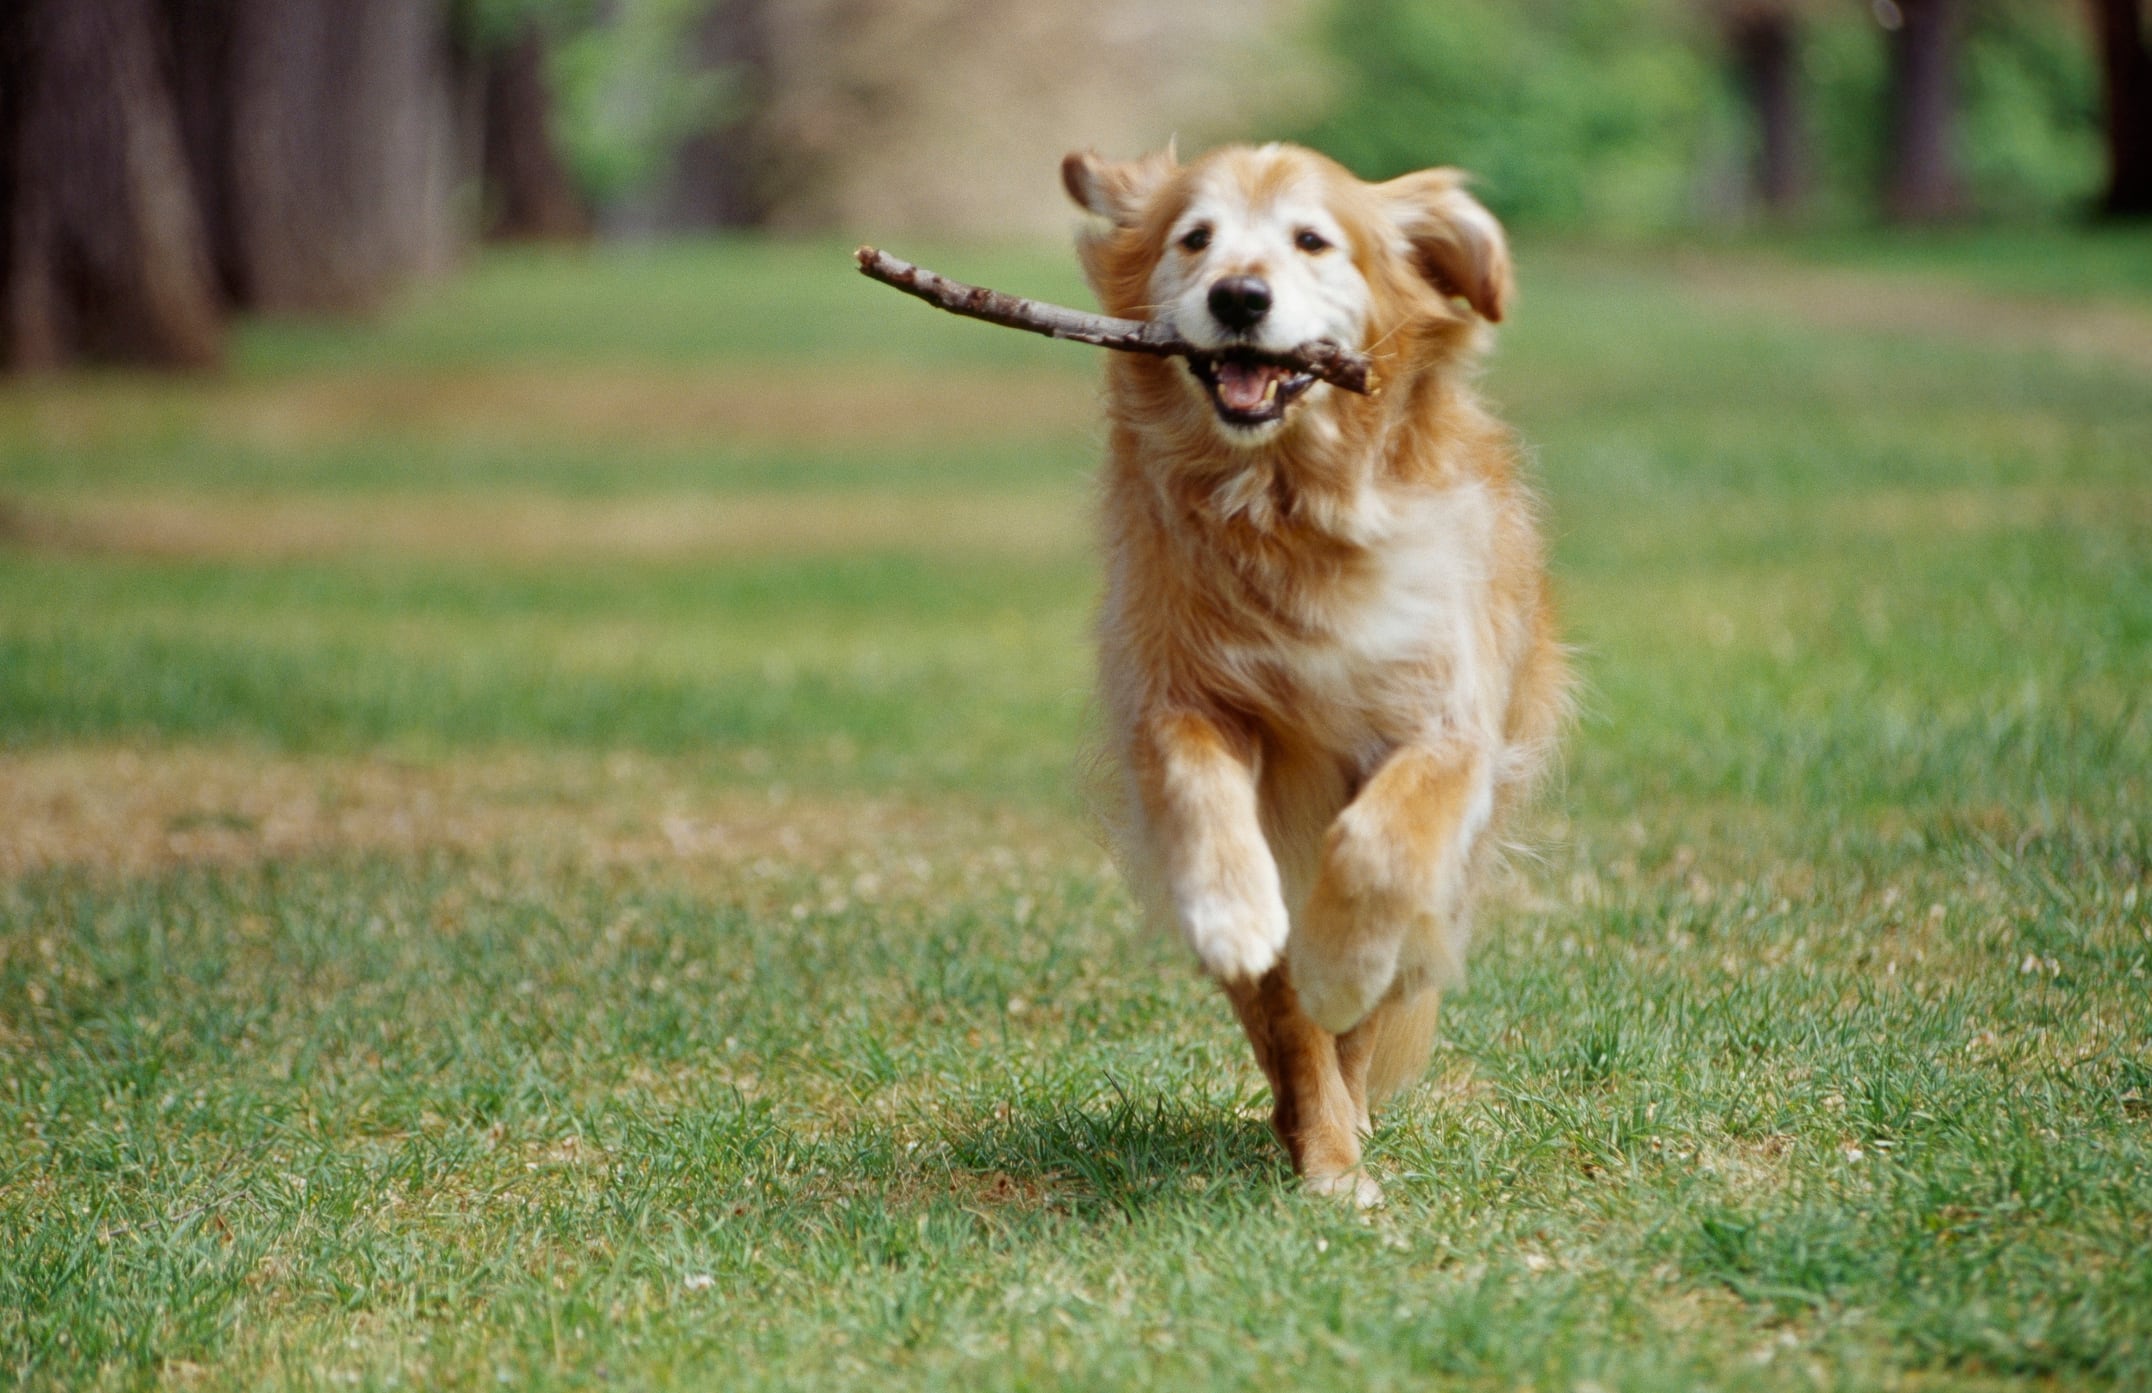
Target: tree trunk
{"type": "Point", "coordinates": [102, 253]}
{"type": "Point", "coordinates": [1766, 51]}
{"type": "Point", "coordinates": [719, 175]}
{"type": "Point", "coordinates": [204, 36]}
{"type": "Point", "coordinates": [323, 141]}
{"type": "Point", "coordinates": [1921, 183]}
{"type": "Point", "coordinates": [527, 189]}
{"type": "Point", "coordinates": [2126, 85]}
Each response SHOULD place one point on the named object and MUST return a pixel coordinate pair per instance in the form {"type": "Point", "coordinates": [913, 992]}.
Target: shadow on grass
{"type": "Point", "coordinates": [1118, 1152]}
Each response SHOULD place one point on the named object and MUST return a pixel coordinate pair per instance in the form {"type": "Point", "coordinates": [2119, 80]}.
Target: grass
{"type": "Point", "coordinates": [497, 888]}
{"type": "Point", "coordinates": [2102, 261]}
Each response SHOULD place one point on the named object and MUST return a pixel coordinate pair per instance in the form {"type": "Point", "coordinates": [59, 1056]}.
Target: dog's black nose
{"type": "Point", "coordinates": [1240, 302]}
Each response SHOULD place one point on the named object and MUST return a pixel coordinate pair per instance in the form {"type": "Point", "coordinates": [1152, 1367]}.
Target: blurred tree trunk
{"type": "Point", "coordinates": [323, 144]}
{"type": "Point", "coordinates": [1921, 182]}
{"type": "Point", "coordinates": [2126, 83]}
{"type": "Point", "coordinates": [718, 176]}
{"type": "Point", "coordinates": [201, 35]}
{"type": "Point", "coordinates": [527, 189]}
{"type": "Point", "coordinates": [102, 254]}
{"type": "Point", "coordinates": [1765, 40]}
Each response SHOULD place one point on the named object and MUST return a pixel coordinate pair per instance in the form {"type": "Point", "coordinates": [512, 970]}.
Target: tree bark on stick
{"type": "Point", "coordinates": [102, 254]}
{"type": "Point", "coordinates": [1333, 363]}
{"type": "Point", "coordinates": [2126, 89]}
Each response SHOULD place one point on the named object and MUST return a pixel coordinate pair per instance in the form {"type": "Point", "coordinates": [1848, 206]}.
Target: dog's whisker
{"type": "Point", "coordinates": [1395, 330]}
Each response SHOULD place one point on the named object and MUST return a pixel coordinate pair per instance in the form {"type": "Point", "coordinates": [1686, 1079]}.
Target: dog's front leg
{"type": "Point", "coordinates": [1318, 1084]}
{"type": "Point", "coordinates": [1392, 869]}
{"type": "Point", "coordinates": [1197, 779]}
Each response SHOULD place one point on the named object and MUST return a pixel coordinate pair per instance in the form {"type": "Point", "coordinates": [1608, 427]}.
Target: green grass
{"type": "Point", "coordinates": [929, 671]}
{"type": "Point", "coordinates": [1812, 1048]}
{"type": "Point", "coordinates": [2101, 262]}
{"type": "Point", "coordinates": [798, 303]}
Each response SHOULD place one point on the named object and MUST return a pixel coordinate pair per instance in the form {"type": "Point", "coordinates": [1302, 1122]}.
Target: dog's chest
{"type": "Point", "coordinates": [1381, 646]}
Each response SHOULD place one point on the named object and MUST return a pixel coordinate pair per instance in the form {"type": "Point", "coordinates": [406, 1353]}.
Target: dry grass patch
{"type": "Point", "coordinates": [535, 528]}
{"type": "Point", "coordinates": [1747, 1167]}
{"type": "Point", "coordinates": [634, 409]}
{"type": "Point", "coordinates": [1967, 511]}
{"type": "Point", "coordinates": [134, 811]}
{"type": "Point", "coordinates": [1876, 304]}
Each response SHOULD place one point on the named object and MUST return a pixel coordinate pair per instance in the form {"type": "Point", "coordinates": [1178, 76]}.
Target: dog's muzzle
{"type": "Point", "coordinates": [1245, 391]}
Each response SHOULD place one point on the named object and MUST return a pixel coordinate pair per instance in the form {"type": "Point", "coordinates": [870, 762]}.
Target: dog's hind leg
{"type": "Point", "coordinates": [1318, 1084]}
{"type": "Point", "coordinates": [1397, 1036]}
{"type": "Point", "coordinates": [1393, 870]}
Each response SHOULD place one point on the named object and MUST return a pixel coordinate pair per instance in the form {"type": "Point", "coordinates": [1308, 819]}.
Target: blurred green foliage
{"type": "Point", "coordinates": [1614, 116]}
{"type": "Point", "coordinates": [626, 83]}
{"type": "Point", "coordinates": [2032, 108]}
{"type": "Point", "coordinates": [1622, 115]}
{"type": "Point", "coordinates": [1567, 114]}
{"type": "Point", "coordinates": [630, 93]}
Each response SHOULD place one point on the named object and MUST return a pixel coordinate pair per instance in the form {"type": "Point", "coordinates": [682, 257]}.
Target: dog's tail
{"type": "Point", "coordinates": [1404, 1038]}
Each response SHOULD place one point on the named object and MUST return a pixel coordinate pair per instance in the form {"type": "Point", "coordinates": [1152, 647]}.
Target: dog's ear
{"type": "Point", "coordinates": [1116, 190]}
{"type": "Point", "coordinates": [1457, 242]}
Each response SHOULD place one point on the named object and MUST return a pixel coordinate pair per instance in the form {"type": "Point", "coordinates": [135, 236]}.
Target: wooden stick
{"type": "Point", "coordinates": [1323, 358]}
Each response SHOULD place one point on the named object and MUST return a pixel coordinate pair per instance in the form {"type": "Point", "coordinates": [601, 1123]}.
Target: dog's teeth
{"type": "Point", "coordinates": [1270, 391]}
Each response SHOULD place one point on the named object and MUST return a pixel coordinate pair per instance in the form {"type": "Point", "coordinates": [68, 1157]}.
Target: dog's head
{"type": "Point", "coordinates": [1271, 247]}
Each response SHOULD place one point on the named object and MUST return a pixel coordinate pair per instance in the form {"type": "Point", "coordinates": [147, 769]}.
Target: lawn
{"type": "Point", "coordinates": [543, 844]}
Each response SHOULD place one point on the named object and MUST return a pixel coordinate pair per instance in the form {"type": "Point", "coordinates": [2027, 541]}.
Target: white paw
{"type": "Point", "coordinates": [1236, 937]}
{"type": "Point", "coordinates": [1355, 1185]}
{"type": "Point", "coordinates": [1336, 989]}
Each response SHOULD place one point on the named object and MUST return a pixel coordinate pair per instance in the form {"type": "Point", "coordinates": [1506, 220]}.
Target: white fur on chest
{"type": "Point", "coordinates": [1397, 647]}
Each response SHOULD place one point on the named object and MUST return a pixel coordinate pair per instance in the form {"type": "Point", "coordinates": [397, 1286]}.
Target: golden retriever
{"type": "Point", "coordinates": [1327, 657]}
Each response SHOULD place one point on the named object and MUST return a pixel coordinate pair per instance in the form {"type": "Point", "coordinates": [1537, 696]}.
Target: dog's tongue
{"type": "Point", "coordinates": [1242, 386]}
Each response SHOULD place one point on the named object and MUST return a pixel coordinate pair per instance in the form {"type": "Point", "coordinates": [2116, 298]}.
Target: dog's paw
{"type": "Point", "coordinates": [1338, 987]}
{"type": "Point", "coordinates": [1355, 1185]}
{"type": "Point", "coordinates": [1236, 937]}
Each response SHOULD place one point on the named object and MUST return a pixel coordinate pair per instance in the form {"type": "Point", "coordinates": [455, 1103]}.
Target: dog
{"type": "Point", "coordinates": [1327, 657]}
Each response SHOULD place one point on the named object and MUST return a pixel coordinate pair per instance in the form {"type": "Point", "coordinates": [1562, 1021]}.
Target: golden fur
{"type": "Point", "coordinates": [1327, 659]}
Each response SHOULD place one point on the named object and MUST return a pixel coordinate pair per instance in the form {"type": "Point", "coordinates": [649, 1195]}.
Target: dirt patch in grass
{"type": "Point", "coordinates": [1972, 511]}
{"type": "Point", "coordinates": [525, 528]}
{"type": "Point", "coordinates": [1878, 304]}
{"type": "Point", "coordinates": [1744, 1166]}
{"type": "Point", "coordinates": [133, 811]}
{"type": "Point", "coordinates": [827, 406]}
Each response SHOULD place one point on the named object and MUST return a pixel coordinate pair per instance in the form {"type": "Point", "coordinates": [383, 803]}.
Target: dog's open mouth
{"type": "Point", "coordinates": [1247, 391]}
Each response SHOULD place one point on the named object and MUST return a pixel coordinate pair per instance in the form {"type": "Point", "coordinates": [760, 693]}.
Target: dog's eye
{"type": "Point", "coordinates": [1310, 241]}
{"type": "Point", "coordinates": [1196, 238]}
